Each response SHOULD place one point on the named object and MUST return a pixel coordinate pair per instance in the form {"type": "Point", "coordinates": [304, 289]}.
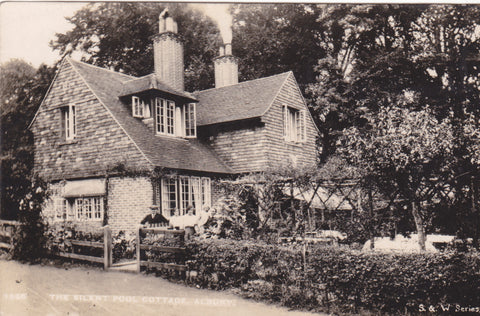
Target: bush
{"type": "Point", "coordinates": [124, 245]}
{"type": "Point", "coordinates": [29, 239]}
{"type": "Point", "coordinates": [336, 279]}
{"type": "Point", "coordinates": [58, 234]}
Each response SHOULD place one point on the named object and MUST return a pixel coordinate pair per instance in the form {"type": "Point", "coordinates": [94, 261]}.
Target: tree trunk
{"type": "Point", "coordinates": [419, 225]}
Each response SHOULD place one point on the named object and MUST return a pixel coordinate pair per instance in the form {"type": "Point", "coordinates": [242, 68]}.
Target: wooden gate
{"type": "Point", "coordinates": [157, 250]}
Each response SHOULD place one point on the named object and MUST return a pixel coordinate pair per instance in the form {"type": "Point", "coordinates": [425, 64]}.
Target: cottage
{"type": "Point", "coordinates": [100, 135]}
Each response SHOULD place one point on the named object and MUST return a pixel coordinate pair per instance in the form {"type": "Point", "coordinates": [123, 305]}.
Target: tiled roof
{"type": "Point", "coordinates": [244, 100]}
{"type": "Point", "coordinates": [150, 82]}
{"type": "Point", "coordinates": [162, 151]}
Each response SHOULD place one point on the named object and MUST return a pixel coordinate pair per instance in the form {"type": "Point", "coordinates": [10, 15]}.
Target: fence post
{"type": "Point", "coordinates": [107, 247]}
{"type": "Point", "coordinates": [138, 250]}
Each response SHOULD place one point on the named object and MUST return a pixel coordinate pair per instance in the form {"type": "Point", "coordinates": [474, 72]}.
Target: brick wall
{"type": "Point", "coordinates": [129, 201]}
{"type": "Point", "coordinates": [100, 142]}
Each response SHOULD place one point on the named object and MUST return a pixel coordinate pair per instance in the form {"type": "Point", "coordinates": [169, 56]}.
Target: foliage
{"type": "Point", "coordinates": [29, 240]}
{"type": "Point", "coordinates": [274, 38]}
{"type": "Point", "coordinates": [258, 206]}
{"type": "Point", "coordinates": [377, 52]}
{"type": "Point", "coordinates": [400, 150]}
{"type": "Point", "coordinates": [337, 279]}
{"type": "Point", "coordinates": [124, 244]}
{"type": "Point", "coordinates": [398, 140]}
{"type": "Point", "coordinates": [119, 36]}
{"type": "Point", "coordinates": [22, 88]}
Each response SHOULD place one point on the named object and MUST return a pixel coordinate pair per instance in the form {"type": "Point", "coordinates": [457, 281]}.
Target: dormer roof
{"type": "Point", "coordinates": [151, 83]}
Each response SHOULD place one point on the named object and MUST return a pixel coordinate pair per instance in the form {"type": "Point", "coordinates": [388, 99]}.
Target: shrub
{"type": "Point", "coordinates": [124, 245]}
{"type": "Point", "coordinates": [336, 279]}
{"type": "Point", "coordinates": [29, 239]}
{"type": "Point", "coordinates": [58, 235]}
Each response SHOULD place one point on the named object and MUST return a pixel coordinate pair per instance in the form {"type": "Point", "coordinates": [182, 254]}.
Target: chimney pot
{"type": "Point", "coordinates": [221, 51]}
{"type": "Point", "coordinates": [169, 24]}
{"type": "Point", "coordinates": [161, 25]}
{"type": "Point", "coordinates": [228, 49]}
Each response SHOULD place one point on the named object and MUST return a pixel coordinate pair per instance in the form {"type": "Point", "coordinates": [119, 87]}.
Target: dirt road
{"type": "Point", "coordinates": [45, 290]}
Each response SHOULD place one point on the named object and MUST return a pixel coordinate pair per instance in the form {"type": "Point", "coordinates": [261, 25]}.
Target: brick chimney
{"type": "Point", "coordinates": [168, 52]}
{"type": "Point", "coordinates": [226, 67]}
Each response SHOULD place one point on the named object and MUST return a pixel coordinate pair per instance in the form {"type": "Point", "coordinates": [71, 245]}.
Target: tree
{"type": "Point", "coordinates": [22, 89]}
{"type": "Point", "coordinates": [274, 38]}
{"type": "Point", "coordinates": [366, 65]}
{"type": "Point", "coordinates": [119, 36]}
{"type": "Point", "coordinates": [400, 150]}
{"type": "Point", "coordinates": [376, 52]}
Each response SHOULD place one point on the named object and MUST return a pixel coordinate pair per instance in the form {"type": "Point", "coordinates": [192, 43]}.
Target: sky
{"type": "Point", "coordinates": [26, 28]}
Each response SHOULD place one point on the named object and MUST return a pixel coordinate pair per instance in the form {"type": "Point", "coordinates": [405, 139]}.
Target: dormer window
{"type": "Point", "coordinates": [140, 108]}
{"type": "Point", "coordinates": [190, 120]}
{"type": "Point", "coordinates": [137, 108]}
{"type": "Point", "coordinates": [164, 116]}
{"type": "Point", "coordinates": [175, 120]}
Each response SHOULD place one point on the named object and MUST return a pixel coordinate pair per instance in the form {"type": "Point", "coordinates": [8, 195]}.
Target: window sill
{"type": "Point", "coordinates": [68, 142]}
{"type": "Point", "coordinates": [294, 143]}
{"type": "Point", "coordinates": [173, 136]}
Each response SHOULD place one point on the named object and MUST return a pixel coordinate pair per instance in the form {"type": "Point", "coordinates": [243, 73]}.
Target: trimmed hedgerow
{"type": "Point", "coordinates": [337, 279]}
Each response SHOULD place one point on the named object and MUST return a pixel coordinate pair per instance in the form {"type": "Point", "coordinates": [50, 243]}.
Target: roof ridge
{"type": "Point", "coordinates": [138, 78]}
{"type": "Point", "coordinates": [248, 81]}
{"type": "Point", "coordinates": [101, 68]}
{"type": "Point", "coordinates": [278, 92]}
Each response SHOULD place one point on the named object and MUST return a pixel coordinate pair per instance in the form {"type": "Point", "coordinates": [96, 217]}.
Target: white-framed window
{"type": "Point", "coordinates": [294, 125]}
{"type": "Point", "coordinates": [164, 116]}
{"type": "Point", "coordinates": [206, 192]}
{"type": "Point", "coordinates": [89, 208]}
{"type": "Point", "coordinates": [68, 122]}
{"type": "Point", "coordinates": [175, 120]}
{"type": "Point", "coordinates": [190, 120]}
{"type": "Point", "coordinates": [140, 108]}
{"type": "Point", "coordinates": [182, 193]}
{"type": "Point", "coordinates": [137, 107]}
{"type": "Point", "coordinates": [169, 196]}
{"type": "Point", "coordinates": [60, 206]}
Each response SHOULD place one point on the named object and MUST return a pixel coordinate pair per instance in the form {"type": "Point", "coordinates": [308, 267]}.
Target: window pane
{"type": "Point", "coordinates": [206, 192]}
{"type": "Point", "coordinates": [73, 123]}
{"type": "Point", "coordinates": [79, 208]}
{"type": "Point", "coordinates": [87, 207]}
{"type": "Point", "coordinates": [196, 196]}
{"type": "Point", "coordinates": [169, 196]}
{"type": "Point", "coordinates": [98, 207]}
{"type": "Point", "coordinates": [67, 123]}
{"type": "Point", "coordinates": [184, 195]}
{"type": "Point", "coordinates": [190, 124]}
{"type": "Point", "coordinates": [160, 115]}
{"type": "Point", "coordinates": [170, 117]}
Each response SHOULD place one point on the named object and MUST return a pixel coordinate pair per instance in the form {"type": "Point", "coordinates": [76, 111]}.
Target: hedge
{"type": "Point", "coordinates": [337, 279]}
